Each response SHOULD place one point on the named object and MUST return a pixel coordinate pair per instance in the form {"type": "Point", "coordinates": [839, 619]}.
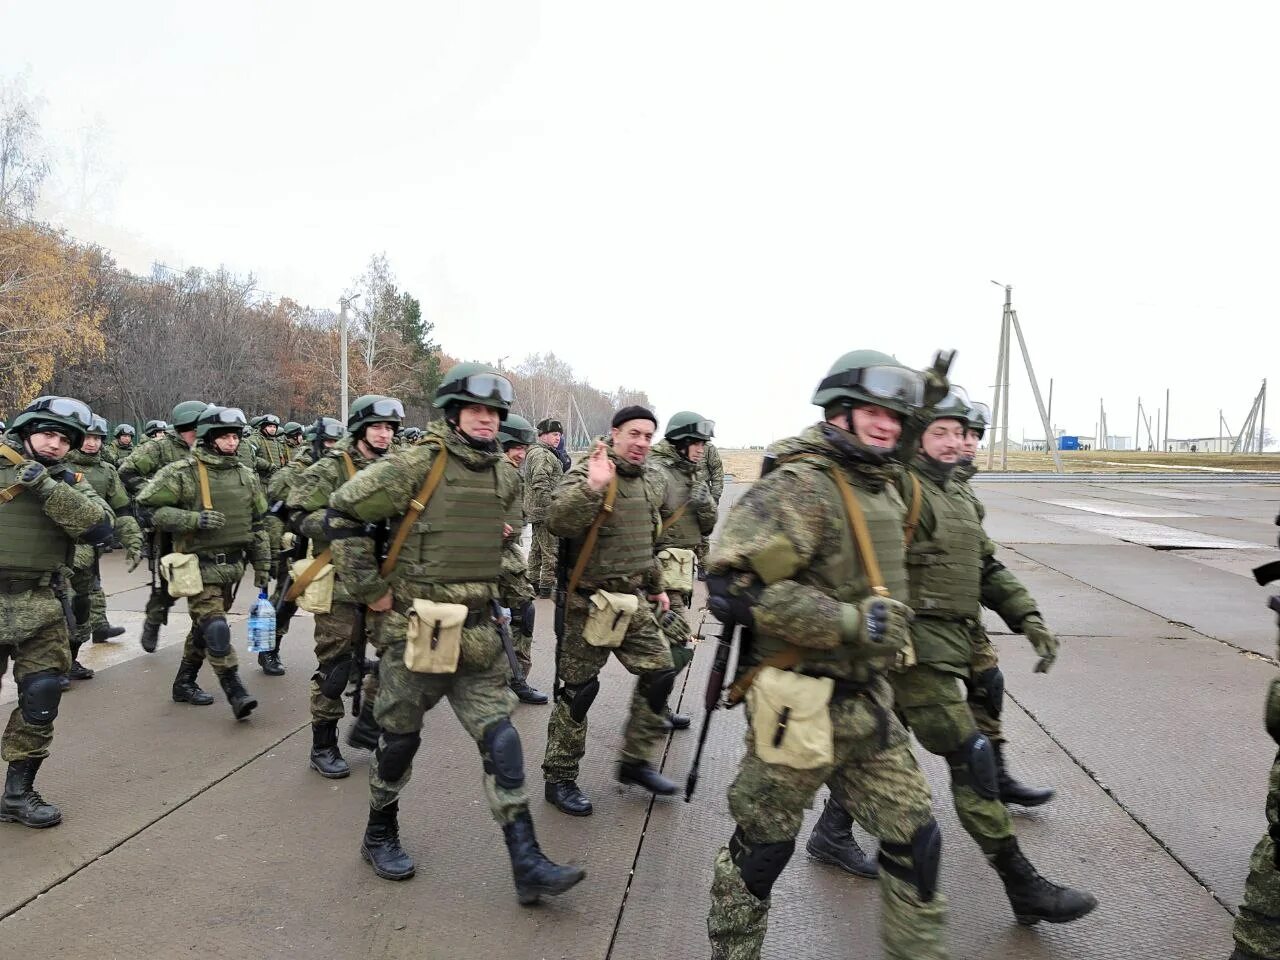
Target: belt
{"type": "Point", "coordinates": [219, 559]}
{"type": "Point", "coordinates": [24, 584]}
{"type": "Point", "coordinates": [477, 617]}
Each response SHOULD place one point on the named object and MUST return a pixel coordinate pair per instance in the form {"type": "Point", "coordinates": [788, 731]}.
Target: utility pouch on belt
{"type": "Point", "coordinates": [433, 641]}
{"type": "Point", "coordinates": [791, 718]}
{"type": "Point", "coordinates": [677, 569]}
{"type": "Point", "coordinates": [316, 593]}
{"type": "Point", "coordinates": [181, 571]}
{"type": "Point", "coordinates": [608, 616]}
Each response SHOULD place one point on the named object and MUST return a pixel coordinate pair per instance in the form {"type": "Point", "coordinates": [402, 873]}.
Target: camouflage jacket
{"type": "Point", "coordinates": [309, 497]}
{"type": "Point", "coordinates": [106, 484]}
{"type": "Point", "coordinates": [270, 454]}
{"type": "Point", "coordinates": [149, 458]}
{"type": "Point", "coordinates": [514, 583]}
{"type": "Point", "coordinates": [542, 471]}
{"type": "Point", "coordinates": [712, 469]}
{"type": "Point", "coordinates": [699, 517]}
{"type": "Point", "coordinates": [117, 453]}
{"type": "Point", "coordinates": [282, 480]}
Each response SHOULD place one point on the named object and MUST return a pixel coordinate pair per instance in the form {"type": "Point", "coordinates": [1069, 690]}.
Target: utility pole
{"type": "Point", "coordinates": [1157, 423]}
{"type": "Point", "coordinates": [1262, 418]}
{"type": "Point", "coordinates": [342, 325]}
{"type": "Point", "coordinates": [1166, 420]}
{"type": "Point", "coordinates": [1009, 328]}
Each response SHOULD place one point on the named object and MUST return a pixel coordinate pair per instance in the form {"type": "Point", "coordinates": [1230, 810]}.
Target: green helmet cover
{"type": "Point", "coordinates": [64, 414]}
{"type": "Point", "coordinates": [516, 431]}
{"type": "Point", "coordinates": [872, 377]}
{"type": "Point", "coordinates": [187, 413]}
{"type": "Point", "coordinates": [954, 406]}
{"type": "Point", "coordinates": [153, 426]}
{"type": "Point", "coordinates": [292, 429]}
{"type": "Point", "coordinates": [99, 428]}
{"type": "Point", "coordinates": [373, 408]}
{"type": "Point", "coordinates": [979, 418]}
{"type": "Point", "coordinates": [687, 425]}
{"type": "Point", "coordinates": [123, 428]}
{"type": "Point", "coordinates": [214, 420]}
{"type": "Point", "coordinates": [466, 383]}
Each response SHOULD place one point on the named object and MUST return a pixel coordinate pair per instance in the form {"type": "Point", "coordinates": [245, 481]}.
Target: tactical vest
{"type": "Point", "coordinates": [231, 493]}
{"type": "Point", "coordinates": [684, 532]}
{"type": "Point", "coordinates": [625, 545]}
{"type": "Point", "coordinates": [96, 472]}
{"type": "Point", "coordinates": [277, 453]}
{"type": "Point", "coordinates": [458, 538]}
{"type": "Point", "coordinates": [946, 569]}
{"type": "Point", "coordinates": [29, 541]}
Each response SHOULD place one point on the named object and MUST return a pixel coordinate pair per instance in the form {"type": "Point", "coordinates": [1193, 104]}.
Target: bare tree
{"type": "Point", "coordinates": [24, 163]}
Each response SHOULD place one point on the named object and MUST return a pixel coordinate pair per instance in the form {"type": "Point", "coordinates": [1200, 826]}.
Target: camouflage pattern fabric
{"type": "Point", "coordinates": [213, 601]}
{"type": "Point", "coordinates": [148, 458]}
{"type": "Point", "coordinates": [33, 637]}
{"type": "Point", "coordinates": [983, 657]}
{"type": "Point", "coordinates": [712, 469]}
{"type": "Point", "coordinates": [544, 551]}
{"type": "Point", "coordinates": [542, 470]}
{"type": "Point", "coordinates": [333, 633]}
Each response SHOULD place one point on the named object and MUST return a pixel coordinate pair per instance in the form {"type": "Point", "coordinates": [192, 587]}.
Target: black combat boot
{"type": "Point", "coordinates": [79, 671]}
{"type": "Point", "coordinates": [1034, 898]}
{"type": "Point", "coordinates": [642, 774]}
{"type": "Point", "coordinates": [567, 798]}
{"type": "Point", "coordinates": [544, 591]}
{"type": "Point", "coordinates": [150, 637]}
{"type": "Point", "coordinates": [525, 693]}
{"type": "Point", "coordinates": [364, 733]}
{"type": "Point", "coordinates": [675, 721]}
{"type": "Point", "coordinates": [185, 688]}
{"type": "Point", "coordinates": [21, 803]}
{"type": "Point", "coordinates": [1240, 953]}
{"type": "Point", "coordinates": [381, 845]}
{"type": "Point", "coordinates": [241, 703]}
{"type": "Point", "coordinates": [534, 874]}
{"type": "Point", "coordinates": [64, 683]}
{"type": "Point", "coordinates": [106, 632]}
{"type": "Point", "coordinates": [1011, 791]}
{"type": "Point", "coordinates": [832, 842]}
{"type": "Point", "coordinates": [325, 758]}
{"type": "Point", "coordinates": [270, 663]}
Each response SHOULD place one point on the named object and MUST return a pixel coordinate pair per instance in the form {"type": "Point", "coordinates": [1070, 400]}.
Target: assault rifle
{"type": "Point", "coordinates": [503, 621]}
{"type": "Point", "coordinates": [713, 698]}
{"type": "Point", "coordinates": [286, 608]}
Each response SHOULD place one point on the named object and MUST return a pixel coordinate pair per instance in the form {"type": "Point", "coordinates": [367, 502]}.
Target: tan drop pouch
{"type": "Point", "coordinates": [791, 718]}
{"type": "Point", "coordinates": [608, 616]}
{"type": "Point", "coordinates": [433, 641]}
{"type": "Point", "coordinates": [181, 571]}
{"type": "Point", "coordinates": [317, 596]}
{"type": "Point", "coordinates": [677, 569]}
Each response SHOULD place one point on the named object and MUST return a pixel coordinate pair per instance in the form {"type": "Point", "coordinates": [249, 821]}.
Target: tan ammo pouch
{"type": "Point", "coordinates": [181, 571]}
{"type": "Point", "coordinates": [317, 593]}
{"type": "Point", "coordinates": [677, 569]}
{"type": "Point", "coordinates": [791, 717]}
{"type": "Point", "coordinates": [608, 616]}
{"type": "Point", "coordinates": [433, 642]}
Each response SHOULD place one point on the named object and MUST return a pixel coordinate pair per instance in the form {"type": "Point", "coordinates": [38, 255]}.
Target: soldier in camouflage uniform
{"type": "Point", "coordinates": [90, 604]}
{"type": "Point", "coordinates": [121, 444]}
{"type": "Point", "coordinates": [450, 557]}
{"type": "Point", "coordinates": [621, 564]}
{"type": "Point", "coordinates": [154, 430]}
{"type": "Point", "coordinates": [220, 532]}
{"type": "Point", "coordinates": [170, 445]}
{"type": "Point", "coordinates": [410, 435]}
{"type": "Point", "coordinates": [291, 434]}
{"type": "Point", "coordinates": [789, 570]}
{"type": "Point", "coordinates": [713, 473]}
{"type": "Point", "coordinates": [952, 570]}
{"type": "Point", "coordinates": [688, 515]}
{"type": "Point", "coordinates": [371, 424]}
{"type": "Point", "coordinates": [542, 471]}
{"type": "Point", "coordinates": [271, 454]}
{"type": "Point", "coordinates": [45, 510]}
{"type": "Point", "coordinates": [516, 436]}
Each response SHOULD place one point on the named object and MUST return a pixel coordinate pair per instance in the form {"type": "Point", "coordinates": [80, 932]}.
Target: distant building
{"type": "Point", "coordinates": [1202, 445]}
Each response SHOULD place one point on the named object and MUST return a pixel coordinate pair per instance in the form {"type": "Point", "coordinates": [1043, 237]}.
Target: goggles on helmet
{"type": "Point", "coordinates": [63, 407]}
{"type": "Point", "coordinates": [486, 386]}
{"type": "Point", "coordinates": [888, 383]}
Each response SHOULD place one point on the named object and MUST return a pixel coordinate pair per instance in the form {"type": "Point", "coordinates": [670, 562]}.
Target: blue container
{"type": "Point", "coordinates": [1068, 443]}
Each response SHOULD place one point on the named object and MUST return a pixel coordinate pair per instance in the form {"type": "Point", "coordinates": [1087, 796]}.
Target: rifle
{"type": "Point", "coordinates": [63, 590]}
{"type": "Point", "coordinates": [286, 608]}
{"type": "Point", "coordinates": [503, 621]}
{"type": "Point", "coordinates": [562, 604]}
{"type": "Point", "coordinates": [714, 696]}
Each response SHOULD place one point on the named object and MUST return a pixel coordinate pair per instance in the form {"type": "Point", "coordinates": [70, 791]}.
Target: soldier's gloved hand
{"type": "Point", "coordinates": [210, 520]}
{"type": "Point", "coordinates": [261, 576]}
{"type": "Point", "coordinates": [1273, 710]}
{"type": "Point", "coordinates": [132, 556]}
{"type": "Point", "coordinates": [882, 623]}
{"type": "Point", "coordinates": [36, 478]}
{"type": "Point", "coordinates": [936, 383]}
{"type": "Point", "coordinates": [1044, 642]}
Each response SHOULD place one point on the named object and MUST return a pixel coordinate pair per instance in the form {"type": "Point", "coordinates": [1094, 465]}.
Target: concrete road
{"type": "Point", "coordinates": [187, 834]}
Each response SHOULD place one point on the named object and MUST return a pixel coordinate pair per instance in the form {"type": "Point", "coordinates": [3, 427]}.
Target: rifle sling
{"type": "Point", "coordinates": [593, 534]}
{"type": "Point", "coordinates": [324, 556]}
{"type": "Point", "coordinates": [672, 520]}
{"type": "Point", "coordinates": [13, 490]}
{"type": "Point", "coordinates": [913, 514]}
{"type": "Point", "coordinates": [416, 506]}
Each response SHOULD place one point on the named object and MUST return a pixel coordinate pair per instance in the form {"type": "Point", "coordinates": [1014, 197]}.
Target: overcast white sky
{"type": "Point", "coordinates": [714, 200]}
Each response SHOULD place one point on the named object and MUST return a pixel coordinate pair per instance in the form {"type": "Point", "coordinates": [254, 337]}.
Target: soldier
{"type": "Point", "coordinates": [121, 443]}
{"type": "Point", "coordinates": [713, 473]}
{"type": "Point", "coordinates": [291, 432]}
{"type": "Point", "coordinates": [45, 509]}
{"type": "Point", "coordinates": [155, 429]}
{"type": "Point", "coordinates": [213, 506]}
{"type": "Point", "coordinates": [542, 471]}
{"type": "Point", "coordinates": [371, 424]}
{"type": "Point", "coordinates": [90, 603]}
{"type": "Point", "coordinates": [437, 589]}
{"type": "Point", "coordinates": [269, 446]}
{"type": "Point", "coordinates": [516, 436]}
{"type": "Point", "coordinates": [810, 564]}
{"type": "Point", "coordinates": [688, 516]}
{"type": "Point", "coordinates": [952, 570]}
{"type": "Point", "coordinates": [169, 446]}
{"type": "Point", "coordinates": [607, 509]}
{"type": "Point", "coordinates": [410, 435]}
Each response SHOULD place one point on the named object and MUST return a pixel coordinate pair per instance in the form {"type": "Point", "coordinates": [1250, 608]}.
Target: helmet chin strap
{"type": "Point", "coordinates": [484, 446]}
{"type": "Point", "coordinates": [39, 458]}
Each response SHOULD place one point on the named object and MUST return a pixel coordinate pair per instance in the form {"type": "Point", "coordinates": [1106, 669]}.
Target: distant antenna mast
{"type": "Point", "coordinates": [1010, 327]}
{"type": "Point", "coordinates": [1253, 431]}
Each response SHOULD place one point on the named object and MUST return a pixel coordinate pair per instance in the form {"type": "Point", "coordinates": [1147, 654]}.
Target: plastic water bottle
{"type": "Point", "coordinates": [262, 625]}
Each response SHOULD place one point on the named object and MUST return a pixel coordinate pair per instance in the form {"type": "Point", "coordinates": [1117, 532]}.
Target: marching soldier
{"type": "Point", "coordinates": [542, 471]}
{"type": "Point", "coordinates": [437, 590]}
{"type": "Point", "coordinates": [607, 509]}
{"type": "Point", "coordinates": [45, 510]}
{"type": "Point", "coordinates": [516, 436]}
{"type": "Point", "coordinates": [213, 507]}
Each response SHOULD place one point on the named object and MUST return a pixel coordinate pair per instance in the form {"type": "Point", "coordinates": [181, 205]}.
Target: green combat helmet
{"type": "Point", "coordinates": [122, 429]}
{"type": "Point", "coordinates": [869, 376]}
{"type": "Point", "coordinates": [373, 408]}
{"type": "Point", "coordinates": [687, 425]}
{"type": "Point", "coordinates": [516, 431]}
{"type": "Point", "coordinates": [954, 406]}
{"type": "Point", "coordinates": [215, 420]}
{"type": "Point", "coordinates": [186, 414]}
{"type": "Point", "coordinates": [979, 418]}
{"type": "Point", "coordinates": [65, 415]}
{"type": "Point", "coordinates": [154, 427]}
{"type": "Point", "coordinates": [262, 420]}
{"type": "Point", "coordinates": [292, 429]}
{"type": "Point", "coordinates": [467, 383]}
{"type": "Point", "coordinates": [411, 434]}
{"type": "Point", "coordinates": [98, 428]}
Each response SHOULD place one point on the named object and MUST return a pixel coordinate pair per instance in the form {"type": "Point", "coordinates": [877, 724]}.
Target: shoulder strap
{"type": "Point", "coordinates": [309, 574]}
{"type": "Point", "coordinates": [11, 455]}
{"type": "Point", "coordinates": [416, 506]}
{"type": "Point", "coordinates": [785, 659]}
{"type": "Point", "coordinates": [593, 533]}
{"type": "Point", "coordinates": [14, 489]}
{"type": "Point", "coordinates": [202, 473]}
{"type": "Point", "coordinates": [672, 520]}
{"type": "Point", "coordinates": [913, 514]}
{"type": "Point", "coordinates": [861, 535]}
{"type": "Point", "coordinates": [349, 464]}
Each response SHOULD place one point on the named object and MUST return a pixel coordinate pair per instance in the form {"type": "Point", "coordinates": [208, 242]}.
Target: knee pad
{"type": "Point", "coordinates": [395, 753]}
{"type": "Point", "coordinates": [974, 765]}
{"type": "Point", "coordinates": [759, 864]}
{"type": "Point", "coordinates": [332, 677]}
{"type": "Point", "coordinates": [579, 697]}
{"type": "Point", "coordinates": [81, 607]}
{"type": "Point", "coordinates": [525, 613]}
{"type": "Point", "coordinates": [987, 690]}
{"type": "Point", "coordinates": [656, 688]}
{"type": "Point", "coordinates": [38, 696]}
{"type": "Point", "coordinates": [217, 636]}
{"type": "Point", "coordinates": [503, 755]}
{"type": "Point", "coordinates": [925, 854]}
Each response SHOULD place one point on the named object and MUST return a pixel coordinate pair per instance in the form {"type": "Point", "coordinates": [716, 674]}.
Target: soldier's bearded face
{"type": "Point", "coordinates": [969, 449]}
{"type": "Point", "coordinates": [478, 421]}
{"type": "Point", "coordinates": [516, 455]}
{"type": "Point", "coordinates": [91, 445]}
{"type": "Point", "coordinates": [50, 444]}
{"type": "Point", "coordinates": [942, 440]}
{"type": "Point", "coordinates": [876, 426]}
{"type": "Point", "coordinates": [632, 440]}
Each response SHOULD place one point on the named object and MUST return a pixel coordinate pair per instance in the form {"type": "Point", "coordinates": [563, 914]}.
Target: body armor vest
{"type": "Point", "coordinates": [625, 545]}
{"type": "Point", "coordinates": [29, 541]}
{"type": "Point", "coordinates": [276, 451]}
{"type": "Point", "coordinates": [231, 492]}
{"type": "Point", "coordinates": [458, 538]}
{"type": "Point", "coordinates": [946, 569]}
{"type": "Point", "coordinates": [684, 532]}
{"type": "Point", "coordinates": [95, 471]}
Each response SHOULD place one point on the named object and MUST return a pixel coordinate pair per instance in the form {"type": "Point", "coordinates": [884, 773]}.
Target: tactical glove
{"type": "Point", "coordinates": [210, 520]}
{"type": "Point", "coordinates": [1044, 642]}
{"type": "Point", "coordinates": [261, 576]}
{"type": "Point", "coordinates": [1273, 710]}
{"type": "Point", "coordinates": [36, 478]}
{"type": "Point", "coordinates": [883, 624]}
{"type": "Point", "coordinates": [133, 556]}
{"type": "Point", "coordinates": [936, 384]}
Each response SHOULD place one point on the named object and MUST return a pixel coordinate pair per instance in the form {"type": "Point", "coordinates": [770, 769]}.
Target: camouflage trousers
{"type": "Point", "coordinates": [213, 601]}
{"type": "Point", "coordinates": [932, 704]}
{"type": "Point", "coordinates": [678, 637]}
{"type": "Point", "coordinates": [89, 605]}
{"type": "Point", "coordinates": [543, 551]}
{"type": "Point", "coordinates": [516, 591]}
{"type": "Point", "coordinates": [333, 634]}
{"type": "Point", "coordinates": [1257, 926]}
{"type": "Point", "coordinates": [158, 605]}
{"type": "Point", "coordinates": [644, 650]}
{"type": "Point", "coordinates": [983, 657]}
{"type": "Point", "coordinates": [33, 637]}
{"type": "Point", "coordinates": [874, 777]}
{"type": "Point", "coordinates": [478, 699]}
